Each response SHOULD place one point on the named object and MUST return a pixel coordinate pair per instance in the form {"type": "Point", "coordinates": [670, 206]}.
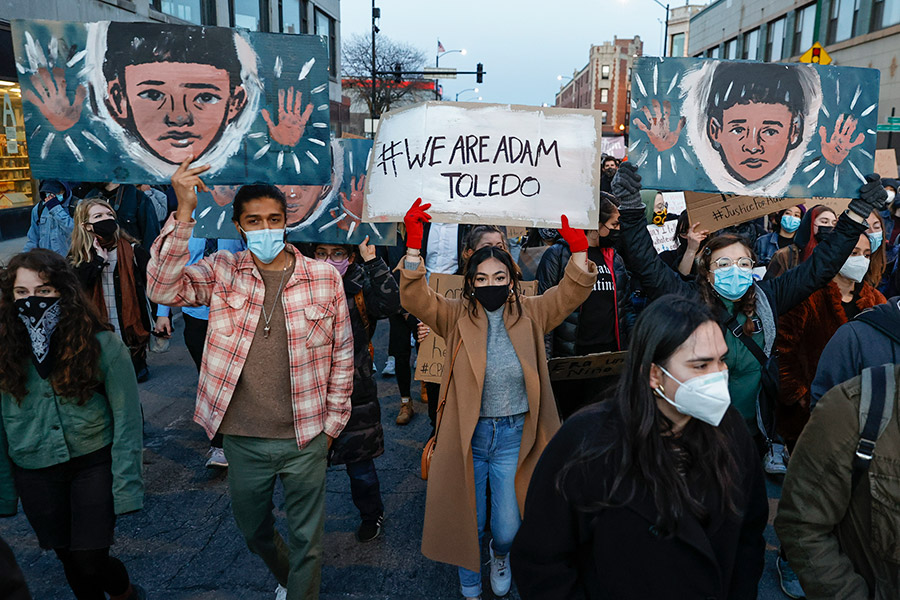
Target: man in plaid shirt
{"type": "Point", "coordinates": [277, 372]}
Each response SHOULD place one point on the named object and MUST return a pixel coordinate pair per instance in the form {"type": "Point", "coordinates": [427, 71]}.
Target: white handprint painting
{"type": "Point", "coordinates": [128, 102]}
{"type": "Point", "coordinates": [751, 128]}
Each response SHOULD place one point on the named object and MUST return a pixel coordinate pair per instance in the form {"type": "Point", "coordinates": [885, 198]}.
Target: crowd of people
{"type": "Point", "coordinates": [648, 484]}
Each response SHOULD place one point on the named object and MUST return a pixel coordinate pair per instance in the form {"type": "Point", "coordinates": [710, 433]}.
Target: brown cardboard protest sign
{"type": "Point", "coordinates": [886, 163]}
{"type": "Point", "coordinates": [433, 349]}
{"type": "Point", "coordinates": [587, 367]}
{"type": "Point", "coordinates": [716, 211]}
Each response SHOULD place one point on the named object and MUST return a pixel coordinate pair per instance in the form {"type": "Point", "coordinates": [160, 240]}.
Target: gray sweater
{"type": "Point", "coordinates": [504, 392]}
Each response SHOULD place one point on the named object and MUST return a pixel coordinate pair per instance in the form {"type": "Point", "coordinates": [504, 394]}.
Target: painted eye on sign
{"type": "Point", "coordinates": [751, 128]}
{"type": "Point", "coordinates": [128, 102]}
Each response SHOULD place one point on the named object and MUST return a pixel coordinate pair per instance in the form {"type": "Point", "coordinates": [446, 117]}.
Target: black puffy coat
{"type": "Point", "coordinates": [363, 436]}
{"type": "Point", "coordinates": [561, 341]}
{"type": "Point", "coordinates": [619, 553]}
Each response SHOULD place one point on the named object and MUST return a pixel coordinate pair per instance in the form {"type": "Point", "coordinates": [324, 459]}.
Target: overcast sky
{"type": "Point", "coordinates": [523, 44]}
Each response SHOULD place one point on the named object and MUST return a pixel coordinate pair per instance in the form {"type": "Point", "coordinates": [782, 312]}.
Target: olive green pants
{"type": "Point", "coordinates": [253, 465]}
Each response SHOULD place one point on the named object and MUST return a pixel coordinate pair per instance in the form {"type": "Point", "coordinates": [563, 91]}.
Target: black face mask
{"type": "Point", "coordinates": [105, 229]}
{"type": "Point", "coordinates": [823, 233]}
{"type": "Point", "coordinates": [491, 297]}
{"type": "Point", "coordinates": [611, 240]}
{"type": "Point", "coordinates": [41, 316]}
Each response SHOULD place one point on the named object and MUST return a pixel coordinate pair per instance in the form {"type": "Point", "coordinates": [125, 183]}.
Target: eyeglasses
{"type": "Point", "coordinates": [744, 262]}
{"type": "Point", "coordinates": [336, 254]}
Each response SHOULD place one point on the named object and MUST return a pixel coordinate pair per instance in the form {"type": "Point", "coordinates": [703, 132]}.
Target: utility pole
{"type": "Point", "coordinates": [376, 13]}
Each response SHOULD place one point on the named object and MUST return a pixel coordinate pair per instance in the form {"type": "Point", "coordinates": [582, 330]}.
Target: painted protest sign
{"type": "Point", "coordinates": [586, 367]}
{"type": "Point", "coordinates": [717, 211]}
{"type": "Point", "coordinates": [753, 129]}
{"type": "Point", "coordinates": [128, 102]}
{"type": "Point", "coordinates": [327, 214]}
{"type": "Point", "coordinates": [487, 163]}
{"type": "Point", "coordinates": [433, 349]}
{"type": "Point", "coordinates": [614, 146]}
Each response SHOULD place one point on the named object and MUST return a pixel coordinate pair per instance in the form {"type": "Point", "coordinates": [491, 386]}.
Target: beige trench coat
{"type": "Point", "coordinates": [450, 533]}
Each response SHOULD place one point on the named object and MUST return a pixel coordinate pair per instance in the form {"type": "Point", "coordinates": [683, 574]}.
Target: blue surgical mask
{"type": "Point", "coordinates": [790, 223]}
{"type": "Point", "coordinates": [875, 240]}
{"type": "Point", "coordinates": [265, 244]}
{"type": "Point", "coordinates": [732, 282]}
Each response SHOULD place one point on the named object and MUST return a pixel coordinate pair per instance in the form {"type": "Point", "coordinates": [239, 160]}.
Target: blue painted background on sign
{"type": "Point", "coordinates": [128, 102]}
{"type": "Point", "coordinates": [751, 128]}
{"type": "Point", "coordinates": [325, 214]}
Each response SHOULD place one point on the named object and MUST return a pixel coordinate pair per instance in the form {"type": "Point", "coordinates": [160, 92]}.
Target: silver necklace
{"type": "Point", "coordinates": [268, 317]}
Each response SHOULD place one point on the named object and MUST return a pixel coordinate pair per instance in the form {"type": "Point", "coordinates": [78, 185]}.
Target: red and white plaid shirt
{"type": "Point", "coordinates": [320, 339]}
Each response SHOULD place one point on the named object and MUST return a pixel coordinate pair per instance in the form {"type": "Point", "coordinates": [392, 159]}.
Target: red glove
{"type": "Point", "coordinates": [415, 224]}
{"type": "Point", "coordinates": [574, 237]}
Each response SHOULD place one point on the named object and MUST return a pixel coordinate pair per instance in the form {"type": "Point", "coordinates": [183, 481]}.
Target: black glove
{"type": "Point", "coordinates": [872, 197]}
{"type": "Point", "coordinates": [626, 187]}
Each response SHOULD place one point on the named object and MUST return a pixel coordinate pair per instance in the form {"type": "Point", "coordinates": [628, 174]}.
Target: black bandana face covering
{"type": "Point", "coordinates": [41, 316]}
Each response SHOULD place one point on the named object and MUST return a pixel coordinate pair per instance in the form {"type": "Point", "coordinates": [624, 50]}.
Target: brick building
{"type": "Point", "coordinates": [604, 84]}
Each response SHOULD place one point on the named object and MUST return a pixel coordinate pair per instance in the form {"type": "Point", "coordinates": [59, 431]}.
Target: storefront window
{"type": "Point", "coordinates": [16, 185]}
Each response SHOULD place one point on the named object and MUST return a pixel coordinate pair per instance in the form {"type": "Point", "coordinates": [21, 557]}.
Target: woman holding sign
{"type": "Point", "coordinates": [495, 416]}
{"type": "Point", "coordinates": [747, 310]}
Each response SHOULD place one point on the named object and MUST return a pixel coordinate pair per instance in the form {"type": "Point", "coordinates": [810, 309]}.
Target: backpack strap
{"type": "Point", "coordinates": [881, 322]}
{"type": "Point", "coordinates": [876, 405]}
{"type": "Point", "coordinates": [737, 330]}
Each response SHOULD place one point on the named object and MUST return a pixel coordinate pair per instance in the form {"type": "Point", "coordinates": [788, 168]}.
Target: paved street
{"type": "Point", "coordinates": [184, 544]}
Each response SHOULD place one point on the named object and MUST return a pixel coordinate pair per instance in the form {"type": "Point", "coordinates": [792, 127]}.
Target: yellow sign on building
{"type": "Point", "coordinates": [816, 55]}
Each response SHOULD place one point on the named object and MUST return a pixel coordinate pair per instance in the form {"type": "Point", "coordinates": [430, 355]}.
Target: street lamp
{"type": "Point", "coordinates": [376, 14]}
{"type": "Point", "coordinates": [458, 94]}
{"type": "Point", "coordinates": [666, 30]}
{"type": "Point", "coordinates": [437, 63]}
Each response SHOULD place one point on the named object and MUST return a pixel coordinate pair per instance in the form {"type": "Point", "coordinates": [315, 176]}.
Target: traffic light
{"type": "Point", "coordinates": [398, 72]}
{"type": "Point", "coordinates": [479, 73]}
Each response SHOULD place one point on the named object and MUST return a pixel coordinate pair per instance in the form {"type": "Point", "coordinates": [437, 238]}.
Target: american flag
{"type": "Point", "coordinates": [440, 47]}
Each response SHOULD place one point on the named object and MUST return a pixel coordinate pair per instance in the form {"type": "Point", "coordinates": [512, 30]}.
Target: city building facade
{"type": "Point", "coordinates": [604, 83]}
{"type": "Point", "coordinates": [679, 30]}
{"type": "Point", "coordinates": [859, 33]}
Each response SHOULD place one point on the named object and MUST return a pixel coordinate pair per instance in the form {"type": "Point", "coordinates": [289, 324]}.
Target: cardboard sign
{"type": "Point", "coordinates": [753, 128]}
{"type": "Point", "coordinates": [886, 163]}
{"type": "Point", "coordinates": [128, 102]}
{"type": "Point", "coordinates": [587, 367]}
{"type": "Point", "coordinates": [494, 164]}
{"type": "Point", "coordinates": [327, 214]}
{"type": "Point", "coordinates": [433, 350]}
{"type": "Point", "coordinates": [717, 211]}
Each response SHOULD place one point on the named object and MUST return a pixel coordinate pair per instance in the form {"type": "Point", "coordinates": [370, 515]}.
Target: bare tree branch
{"type": "Point", "coordinates": [356, 61]}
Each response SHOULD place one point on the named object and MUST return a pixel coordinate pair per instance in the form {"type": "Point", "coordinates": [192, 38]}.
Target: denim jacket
{"type": "Point", "coordinates": [51, 228]}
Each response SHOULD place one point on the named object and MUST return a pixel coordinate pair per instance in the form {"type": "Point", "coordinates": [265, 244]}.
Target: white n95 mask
{"type": "Point", "coordinates": [705, 397]}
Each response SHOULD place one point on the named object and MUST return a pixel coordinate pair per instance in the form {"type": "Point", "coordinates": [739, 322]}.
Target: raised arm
{"type": "Point", "coordinates": [416, 297]}
{"type": "Point", "coordinates": [637, 249]}
{"type": "Point", "coordinates": [381, 291]}
{"type": "Point", "coordinates": [559, 301]}
{"type": "Point", "coordinates": [794, 286]}
{"type": "Point", "coordinates": [169, 280]}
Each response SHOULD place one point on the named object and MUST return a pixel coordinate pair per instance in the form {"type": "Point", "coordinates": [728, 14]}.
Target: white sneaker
{"type": "Point", "coordinates": [774, 462]}
{"type": "Point", "coordinates": [281, 593]}
{"type": "Point", "coordinates": [390, 367]}
{"type": "Point", "coordinates": [501, 576]}
{"type": "Point", "coordinates": [216, 458]}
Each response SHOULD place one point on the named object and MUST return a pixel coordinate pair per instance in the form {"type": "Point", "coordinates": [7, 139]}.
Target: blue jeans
{"type": "Point", "coordinates": [495, 454]}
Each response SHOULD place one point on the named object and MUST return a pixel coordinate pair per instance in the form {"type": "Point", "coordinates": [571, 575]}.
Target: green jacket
{"type": "Point", "coordinates": [46, 430]}
{"type": "Point", "coordinates": [842, 545]}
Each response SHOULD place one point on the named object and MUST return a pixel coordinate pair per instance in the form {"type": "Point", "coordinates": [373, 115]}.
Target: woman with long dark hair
{"type": "Point", "coordinates": [815, 226]}
{"type": "Point", "coordinates": [656, 493]}
{"type": "Point", "coordinates": [784, 228]}
{"type": "Point", "coordinates": [70, 422]}
{"type": "Point", "coordinates": [496, 411]}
